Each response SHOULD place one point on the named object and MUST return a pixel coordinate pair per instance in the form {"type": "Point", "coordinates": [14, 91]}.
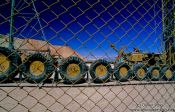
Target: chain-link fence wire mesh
{"type": "Point", "coordinates": [87, 55]}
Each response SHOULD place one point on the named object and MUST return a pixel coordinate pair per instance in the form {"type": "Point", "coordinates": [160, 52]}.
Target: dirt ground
{"type": "Point", "coordinates": [125, 98]}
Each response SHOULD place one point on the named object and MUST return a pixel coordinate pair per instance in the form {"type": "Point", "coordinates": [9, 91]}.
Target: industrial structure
{"type": "Point", "coordinates": [169, 30]}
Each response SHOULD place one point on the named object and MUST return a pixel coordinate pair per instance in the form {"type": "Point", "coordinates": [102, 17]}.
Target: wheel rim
{"type": "Point", "coordinates": [101, 70]}
{"type": "Point", "coordinates": [37, 68]}
{"type": "Point", "coordinates": [155, 72]}
{"type": "Point", "coordinates": [123, 71]}
{"type": "Point", "coordinates": [168, 74]}
{"type": "Point", "coordinates": [73, 70]}
{"type": "Point", "coordinates": [4, 63]}
{"type": "Point", "coordinates": [141, 72]}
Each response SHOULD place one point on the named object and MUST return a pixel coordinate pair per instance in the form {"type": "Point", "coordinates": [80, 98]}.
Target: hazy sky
{"type": "Point", "coordinates": [89, 26]}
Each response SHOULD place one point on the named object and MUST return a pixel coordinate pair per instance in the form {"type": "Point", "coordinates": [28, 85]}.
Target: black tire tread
{"type": "Point", "coordinates": [66, 62]}
{"type": "Point", "coordinates": [135, 68]}
{"type": "Point", "coordinates": [15, 61]}
{"type": "Point", "coordinates": [116, 71]}
{"type": "Point", "coordinates": [150, 73]}
{"type": "Point", "coordinates": [93, 66]}
{"type": "Point", "coordinates": [49, 67]}
{"type": "Point", "coordinates": [163, 75]}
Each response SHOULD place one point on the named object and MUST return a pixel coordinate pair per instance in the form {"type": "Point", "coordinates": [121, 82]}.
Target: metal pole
{"type": "Point", "coordinates": [173, 54]}
{"type": "Point", "coordinates": [11, 35]}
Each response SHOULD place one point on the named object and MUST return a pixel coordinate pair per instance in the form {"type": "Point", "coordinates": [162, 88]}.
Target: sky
{"type": "Point", "coordinates": [89, 26]}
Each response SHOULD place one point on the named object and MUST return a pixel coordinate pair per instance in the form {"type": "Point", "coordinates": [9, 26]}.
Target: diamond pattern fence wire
{"type": "Point", "coordinates": [87, 55]}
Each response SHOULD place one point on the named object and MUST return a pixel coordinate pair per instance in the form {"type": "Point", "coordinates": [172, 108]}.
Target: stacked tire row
{"type": "Point", "coordinates": [37, 68]}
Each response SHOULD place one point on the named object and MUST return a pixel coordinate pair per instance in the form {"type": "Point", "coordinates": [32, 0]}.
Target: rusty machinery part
{"type": "Point", "coordinates": [140, 72]}
{"type": "Point", "coordinates": [37, 68]}
{"type": "Point", "coordinates": [9, 63]}
{"type": "Point", "coordinates": [73, 70]}
{"type": "Point", "coordinates": [154, 73]}
{"type": "Point", "coordinates": [167, 73]}
{"type": "Point", "coordinates": [122, 71]}
{"type": "Point", "coordinates": [100, 71]}
{"type": "Point", "coordinates": [136, 57]}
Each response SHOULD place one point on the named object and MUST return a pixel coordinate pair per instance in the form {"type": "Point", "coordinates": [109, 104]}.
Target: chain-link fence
{"type": "Point", "coordinates": [87, 55]}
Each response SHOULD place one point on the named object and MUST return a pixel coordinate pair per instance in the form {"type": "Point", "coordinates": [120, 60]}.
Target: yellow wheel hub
{"type": "Point", "coordinates": [123, 71]}
{"type": "Point", "coordinates": [4, 63]}
{"type": "Point", "coordinates": [101, 70]}
{"type": "Point", "coordinates": [168, 74]}
{"type": "Point", "coordinates": [37, 68]}
{"type": "Point", "coordinates": [155, 72]}
{"type": "Point", "coordinates": [73, 70]}
{"type": "Point", "coordinates": [141, 72]}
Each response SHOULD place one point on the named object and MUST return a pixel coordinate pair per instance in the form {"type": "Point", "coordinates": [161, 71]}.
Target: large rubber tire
{"type": "Point", "coordinates": [73, 66]}
{"type": "Point", "coordinates": [45, 61]}
{"type": "Point", "coordinates": [105, 71]}
{"type": "Point", "coordinates": [167, 73]}
{"type": "Point", "coordinates": [140, 72]}
{"type": "Point", "coordinates": [13, 59]}
{"type": "Point", "coordinates": [154, 73]}
{"type": "Point", "coordinates": [123, 75]}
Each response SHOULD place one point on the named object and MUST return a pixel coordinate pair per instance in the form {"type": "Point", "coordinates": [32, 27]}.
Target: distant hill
{"type": "Point", "coordinates": [31, 45]}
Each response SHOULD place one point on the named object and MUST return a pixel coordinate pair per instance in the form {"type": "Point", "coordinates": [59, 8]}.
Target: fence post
{"type": "Point", "coordinates": [11, 38]}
